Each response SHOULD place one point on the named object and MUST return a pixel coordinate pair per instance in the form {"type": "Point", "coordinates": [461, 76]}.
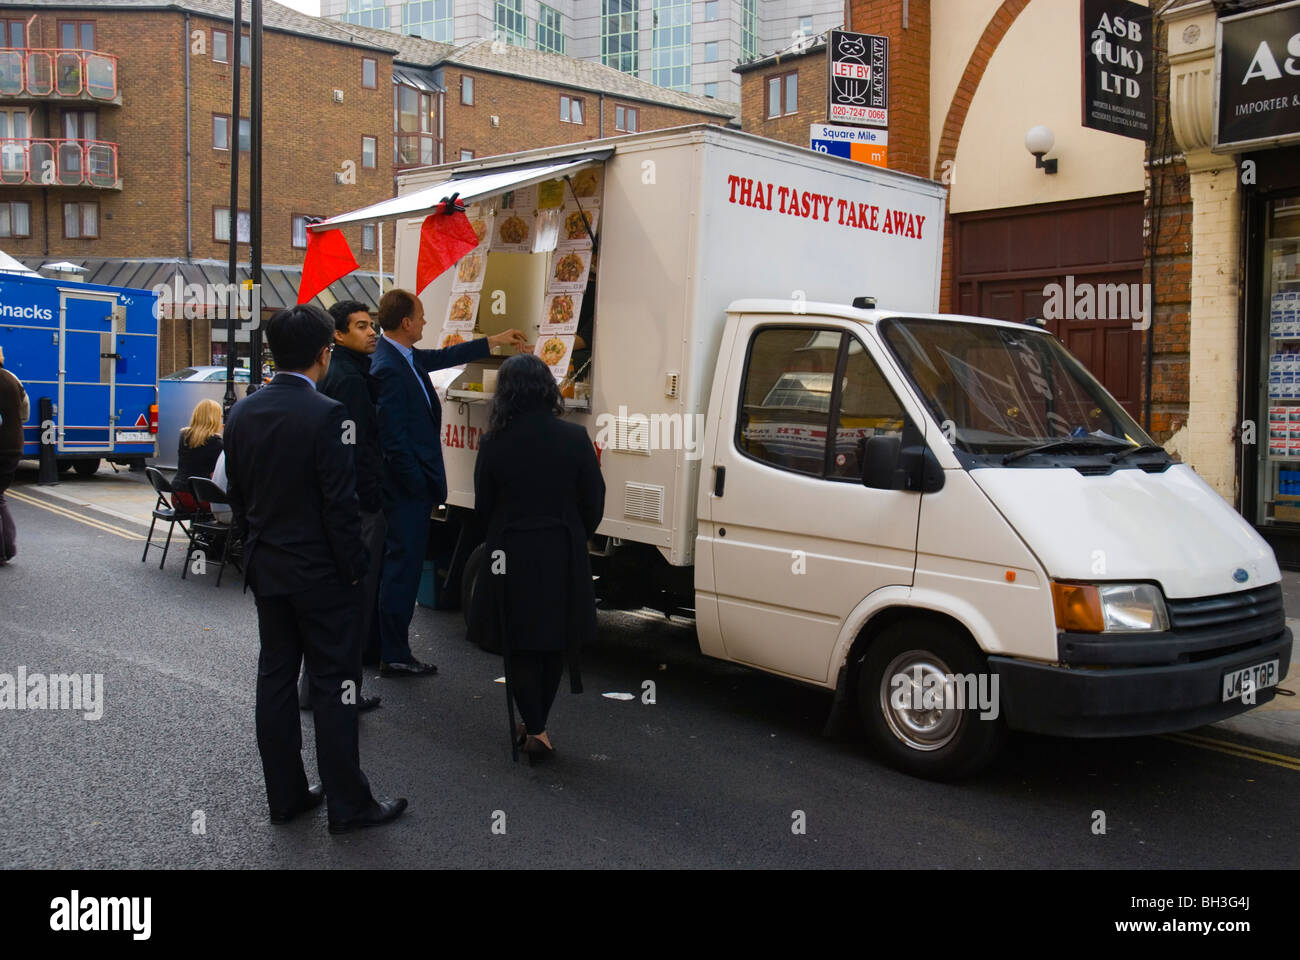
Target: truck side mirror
{"type": "Point", "coordinates": [889, 464]}
{"type": "Point", "coordinates": [880, 460]}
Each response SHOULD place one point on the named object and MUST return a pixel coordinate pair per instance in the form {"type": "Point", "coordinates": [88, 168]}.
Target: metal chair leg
{"type": "Point", "coordinates": [148, 539]}
{"type": "Point", "coordinates": [225, 554]}
{"type": "Point", "coordinates": [166, 546]}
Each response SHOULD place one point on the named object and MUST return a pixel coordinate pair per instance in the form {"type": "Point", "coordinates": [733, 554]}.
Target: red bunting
{"type": "Point", "coordinates": [328, 258]}
{"type": "Point", "coordinates": [444, 239]}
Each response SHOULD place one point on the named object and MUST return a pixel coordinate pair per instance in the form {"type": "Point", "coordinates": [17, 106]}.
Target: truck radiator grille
{"type": "Point", "coordinates": [643, 501]}
{"type": "Point", "coordinates": [1262, 606]}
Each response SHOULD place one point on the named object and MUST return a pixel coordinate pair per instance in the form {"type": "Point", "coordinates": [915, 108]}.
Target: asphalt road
{"type": "Point", "coordinates": [710, 775]}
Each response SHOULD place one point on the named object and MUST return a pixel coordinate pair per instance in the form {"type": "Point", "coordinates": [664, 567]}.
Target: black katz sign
{"type": "Point", "coordinates": [1259, 77]}
{"type": "Point", "coordinates": [1117, 67]}
{"type": "Point", "coordinates": [858, 85]}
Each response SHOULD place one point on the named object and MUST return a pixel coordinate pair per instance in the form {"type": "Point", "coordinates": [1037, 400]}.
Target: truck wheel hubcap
{"type": "Point", "coordinates": [913, 703]}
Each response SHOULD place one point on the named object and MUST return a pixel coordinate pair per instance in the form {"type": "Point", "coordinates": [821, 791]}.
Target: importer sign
{"type": "Point", "coordinates": [1117, 67]}
{"type": "Point", "coordinates": [1259, 78]}
{"type": "Point", "coordinates": [858, 85]}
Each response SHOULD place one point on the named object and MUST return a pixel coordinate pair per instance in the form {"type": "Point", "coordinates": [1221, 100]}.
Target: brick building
{"type": "Point", "coordinates": [489, 97]}
{"type": "Point", "coordinates": [124, 162]}
{"type": "Point", "coordinates": [116, 137]}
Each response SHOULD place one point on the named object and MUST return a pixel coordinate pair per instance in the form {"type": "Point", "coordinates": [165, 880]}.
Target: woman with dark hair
{"type": "Point", "coordinates": [540, 495]}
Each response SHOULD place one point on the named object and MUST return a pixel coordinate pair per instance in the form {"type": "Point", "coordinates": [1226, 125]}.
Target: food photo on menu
{"type": "Point", "coordinates": [554, 352]}
{"type": "Point", "coordinates": [561, 312]}
{"type": "Point", "coordinates": [577, 223]}
{"type": "Point", "coordinates": [586, 182]}
{"type": "Point", "coordinates": [462, 311]}
{"type": "Point", "coordinates": [569, 271]}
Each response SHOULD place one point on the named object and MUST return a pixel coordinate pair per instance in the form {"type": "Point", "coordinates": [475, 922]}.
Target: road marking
{"type": "Point", "coordinates": [71, 515]}
{"type": "Point", "coordinates": [1236, 750]}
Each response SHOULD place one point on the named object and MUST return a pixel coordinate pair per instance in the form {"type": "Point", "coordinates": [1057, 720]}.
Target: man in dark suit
{"type": "Point", "coordinates": [348, 381]}
{"type": "Point", "coordinates": [410, 427]}
{"type": "Point", "coordinates": [292, 489]}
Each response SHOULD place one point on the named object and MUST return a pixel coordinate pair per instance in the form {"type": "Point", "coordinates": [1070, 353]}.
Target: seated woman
{"type": "Point", "coordinates": [197, 453]}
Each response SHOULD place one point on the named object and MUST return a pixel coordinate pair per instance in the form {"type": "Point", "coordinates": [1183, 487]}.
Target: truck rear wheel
{"type": "Point", "coordinates": [919, 691]}
{"type": "Point", "coordinates": [85, 468]}
{"type": "Point", "coordinates": [469, 579]}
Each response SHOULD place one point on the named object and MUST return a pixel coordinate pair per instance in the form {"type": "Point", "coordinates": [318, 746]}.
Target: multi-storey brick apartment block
{"type": "Point", "coordinates": [116, 137]}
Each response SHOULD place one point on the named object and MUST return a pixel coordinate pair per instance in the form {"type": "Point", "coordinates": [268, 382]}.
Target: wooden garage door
{"type": "Point", "coordinates": [1004, 261]}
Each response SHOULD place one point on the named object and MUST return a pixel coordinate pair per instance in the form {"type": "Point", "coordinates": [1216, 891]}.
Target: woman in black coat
{"type": "Point", "coordinates": [540, 495]}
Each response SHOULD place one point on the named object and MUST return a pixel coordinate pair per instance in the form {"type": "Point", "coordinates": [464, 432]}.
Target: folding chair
{"type": "Point", "coordinates": [167, 511]}
{"type": "Point", "coordinates": [203, 491]}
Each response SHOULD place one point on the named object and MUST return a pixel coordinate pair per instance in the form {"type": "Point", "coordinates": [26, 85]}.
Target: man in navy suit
{"type": "Point", "coordinates": [292, 486]}
{"type": "Point", "coordinates": [410, 428]}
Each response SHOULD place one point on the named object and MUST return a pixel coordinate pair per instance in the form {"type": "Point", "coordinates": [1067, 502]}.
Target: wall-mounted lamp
{"type": "Point", "coordinates": [1039, 141]}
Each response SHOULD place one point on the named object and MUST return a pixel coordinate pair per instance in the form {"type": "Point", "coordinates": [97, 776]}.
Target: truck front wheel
{"type": "Point", "coordinates": [929, 702]}
{"type": "Point", "coordinates": [86, 468]}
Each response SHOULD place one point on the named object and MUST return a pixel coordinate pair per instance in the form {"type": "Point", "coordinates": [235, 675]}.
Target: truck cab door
{"type": "Point", "coordinates": [798, 540]}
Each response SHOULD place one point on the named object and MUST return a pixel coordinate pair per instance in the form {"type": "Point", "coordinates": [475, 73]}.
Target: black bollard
{"type": "Point", "coordinates": [49, 472]}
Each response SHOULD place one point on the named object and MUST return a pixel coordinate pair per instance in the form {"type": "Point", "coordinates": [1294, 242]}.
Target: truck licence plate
{"type": "Point", "coordinates": [134, 436]}
{"type": "Point", "coordinates": [1236, 682]}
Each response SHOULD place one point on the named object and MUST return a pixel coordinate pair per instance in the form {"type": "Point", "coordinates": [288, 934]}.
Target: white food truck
{"type": "Point", "coordinates": [945, 520]}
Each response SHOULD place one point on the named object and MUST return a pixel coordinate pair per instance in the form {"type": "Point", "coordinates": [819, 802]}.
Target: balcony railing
{"type": "Point", "coordinates": [72, 74]}
{"type": "Point", "coordinates": [62, 163]}
{"type": "Point", "coordinates": [415, 149]}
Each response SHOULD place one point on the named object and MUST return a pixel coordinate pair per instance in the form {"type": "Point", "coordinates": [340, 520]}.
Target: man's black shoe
{"type": "Point", "coordinates": [412, 668]}
{"type": "Point", "coordinates": [379, 813]}
{"type": "Point", "coordinates": [311, 801]}
{"type": "Point", "coordinates": [367, 703]}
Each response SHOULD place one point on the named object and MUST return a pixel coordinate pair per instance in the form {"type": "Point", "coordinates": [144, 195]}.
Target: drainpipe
{"type": "Point", "coordinates": [189, 211]}
{"type": "Point", "coordinates": [600, 124]}
{"type": "Point", "coordinates": [189, 208]}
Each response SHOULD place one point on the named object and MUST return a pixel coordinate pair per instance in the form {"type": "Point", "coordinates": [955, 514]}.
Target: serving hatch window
{"type": "Point", "coordinates": [534, 269]}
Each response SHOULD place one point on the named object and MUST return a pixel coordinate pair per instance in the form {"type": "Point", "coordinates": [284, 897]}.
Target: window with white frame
{"type": "Point", "coordinates": [221, 225]}
{"type": "Point", "coordinates": [15, 218]}
{"type": "Point", "coordinates": [368, 238]}
{"type": "Point", "coordinates": [81, 220]}
{"type": "Point", "coordinates": [570, 109]}
{"type": "Point", "coordinates": [625, 118]}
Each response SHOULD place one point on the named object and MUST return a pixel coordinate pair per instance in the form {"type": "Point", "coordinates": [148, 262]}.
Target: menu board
{"type": "Point", "coordinates": [470, 270]}
{"type": "Point", "coordinates": [513, 226]}
{"type": "Point", "coordinates": [462, 312]}
{"type": "Point", "coordinates": [555, 351]}
{"type": "Point", "coordinates": [586, 183]}
{"type": "Point", "coordinates": [569, 269]}
{"type": "Point", "coordinates": [560, 312]}
{"type": "Point", "coordinates": [573, 232]}
{"type": "Point", "coordinates": [467, 281]}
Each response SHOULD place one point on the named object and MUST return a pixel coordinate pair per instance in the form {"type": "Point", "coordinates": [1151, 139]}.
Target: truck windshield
{"type": "Point", "coordinates": [998, 390]}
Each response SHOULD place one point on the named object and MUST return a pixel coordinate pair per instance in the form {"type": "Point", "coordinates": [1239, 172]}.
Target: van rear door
{"type": "Point", "coordinates": [798, 540]}
{"type": "Point", "coordinates": [87, 371]}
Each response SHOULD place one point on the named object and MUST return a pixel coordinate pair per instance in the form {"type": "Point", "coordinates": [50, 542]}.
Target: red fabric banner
{"type": "Point", "coordinates": [328, 258]}
{"type": "Point", "coordinates": [444, 239]}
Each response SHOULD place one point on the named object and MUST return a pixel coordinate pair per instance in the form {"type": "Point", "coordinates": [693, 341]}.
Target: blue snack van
{"type": "Point", "coordinates": [93, 351]}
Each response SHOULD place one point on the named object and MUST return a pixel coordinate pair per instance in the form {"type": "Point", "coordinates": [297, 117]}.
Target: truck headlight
{"type": "Point", "coordinates": [1109, 607]}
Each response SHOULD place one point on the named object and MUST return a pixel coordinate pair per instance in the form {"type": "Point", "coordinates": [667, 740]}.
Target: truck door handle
{"type": "Point", "coordinates": [719, 480]}
{"type": "Point", "coordinates": [110, 356]}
